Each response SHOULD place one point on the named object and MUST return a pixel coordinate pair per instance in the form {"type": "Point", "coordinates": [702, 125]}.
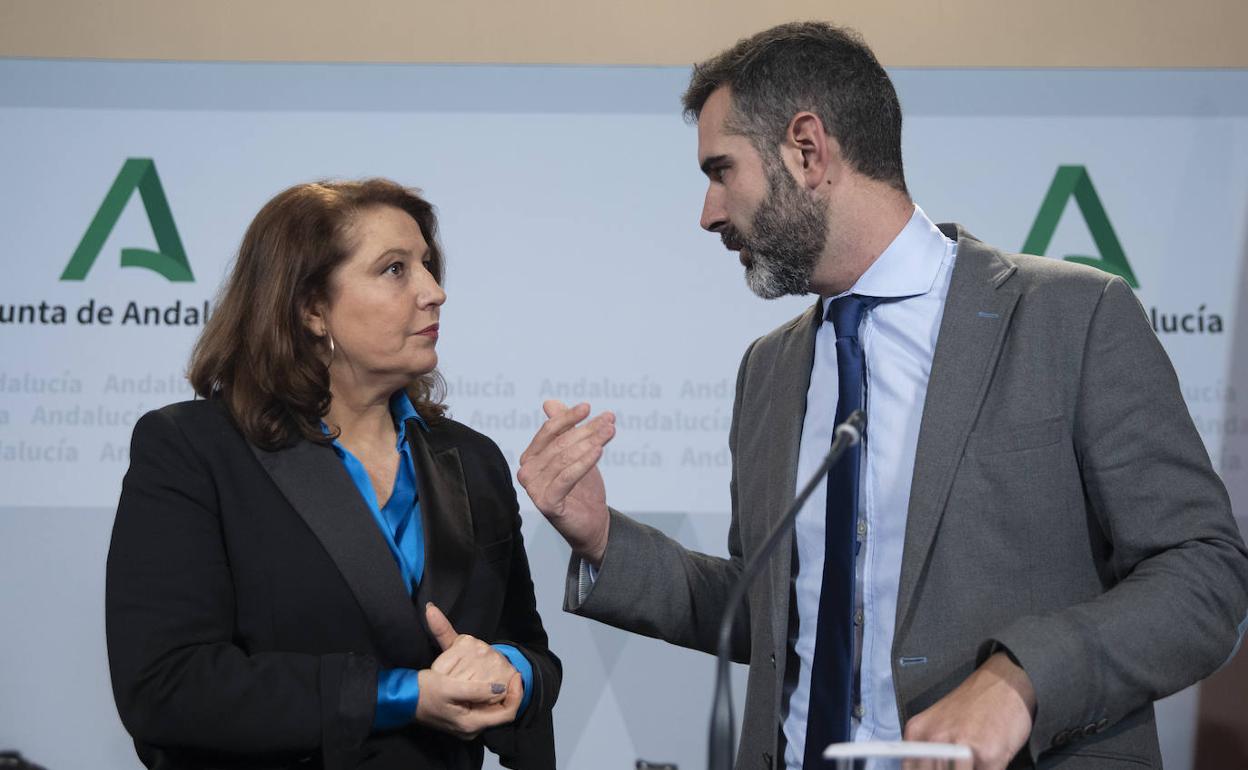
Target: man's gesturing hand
{"type": "Point", "coordinates": [991, 712]}
{"type": "Point", "coordinates": [559, 471]}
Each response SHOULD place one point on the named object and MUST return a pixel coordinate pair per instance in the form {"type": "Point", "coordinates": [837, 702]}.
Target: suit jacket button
{"type": "Point", "coordinates": [1061, 738]}
{"type": "Point", "coordinates": [1101, 725]}
{"type": "Point", "coordinates": [766, 759]}
{"type": "Point", "coordinates": [772, 658]}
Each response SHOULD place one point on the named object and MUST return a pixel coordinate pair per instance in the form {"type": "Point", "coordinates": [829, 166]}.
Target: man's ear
{"type": "Point", "coordinates": [817, 156]}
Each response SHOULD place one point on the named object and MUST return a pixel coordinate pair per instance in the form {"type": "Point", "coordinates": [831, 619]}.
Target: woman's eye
{"type": "Point", "coordinates": [395, 268]}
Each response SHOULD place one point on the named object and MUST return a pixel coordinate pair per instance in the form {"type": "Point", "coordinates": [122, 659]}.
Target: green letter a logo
{"type": "Point", "coordinates": [1073, 181]}
{"type": "Point", "coordinates": [170, 261]}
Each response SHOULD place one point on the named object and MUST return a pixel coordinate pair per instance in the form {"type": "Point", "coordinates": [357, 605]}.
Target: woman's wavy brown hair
{"type": "Point", "coordinates": [255, 352]}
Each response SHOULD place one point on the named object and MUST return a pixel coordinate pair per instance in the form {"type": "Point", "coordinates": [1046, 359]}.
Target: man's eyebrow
{"type": "Point", "coordinates": [711, 163]}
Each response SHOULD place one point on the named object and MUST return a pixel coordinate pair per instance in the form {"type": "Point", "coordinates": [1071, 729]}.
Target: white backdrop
{"type": "Point", "coordinates": [568, 199]}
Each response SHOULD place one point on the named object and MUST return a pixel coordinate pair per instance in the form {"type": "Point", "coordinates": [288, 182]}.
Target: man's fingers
{"type": "Point", "coordinates": [933, 726]}
{"type": "Point", "coordinates": [569, 445]}
{"type": "Point", "coordinates": [571, 474]}
{"type": "Point", "coordinates": [536, 459]}
{"type": "Point", "coordinates": [439, 626]}
{"type": "Point", "coordinates": [911, 731]}
{"type": "Point", "coordinates": [599, 430]}
{"type": "Point", "coordinates": [557, 423]}
{"type": "Point", "coordinates": [570, 448]}
{"type": "Point", "coordinates": [535, 463]}
{"type": "Point", "coordinates": [934, 764]}
{"type": "Point", "coordinates": [549, 480]}
{"type": "Point", "coordinates": [557, 483]}
{"type": "Point", "coordinates": [554, 408]}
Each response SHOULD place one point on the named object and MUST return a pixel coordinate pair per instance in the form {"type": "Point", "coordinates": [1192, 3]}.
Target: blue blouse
{"type": "Point", "coordinates": [400, 523]}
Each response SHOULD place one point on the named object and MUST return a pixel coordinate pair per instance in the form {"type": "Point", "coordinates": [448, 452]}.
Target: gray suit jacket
{"type": "Point", "coordinates": [1063, 507]}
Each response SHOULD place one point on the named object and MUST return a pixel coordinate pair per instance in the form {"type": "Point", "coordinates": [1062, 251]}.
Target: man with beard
{"type": "Point", "coordinates": [1029, 547]}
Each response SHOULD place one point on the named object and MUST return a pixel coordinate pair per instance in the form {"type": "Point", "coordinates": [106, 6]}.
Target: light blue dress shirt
{"type": "Point", "coordinates": [898, 338]}
{"type": "Point", "coordinates": [398, 690]}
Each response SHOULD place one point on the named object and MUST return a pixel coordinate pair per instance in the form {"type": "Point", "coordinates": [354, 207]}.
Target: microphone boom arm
{"type": "Point", "coordinates": [721, 738]}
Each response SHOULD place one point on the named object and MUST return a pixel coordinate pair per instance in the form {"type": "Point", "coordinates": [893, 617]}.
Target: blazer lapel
{"type": "Point", "coordinates": [446, 518]}
{"type": "Point", "coordinates": [977, 314]}
{"type": "Point", "coordinates": [316, 484]}
{"type": "Point", "coordinates": [785, 416]}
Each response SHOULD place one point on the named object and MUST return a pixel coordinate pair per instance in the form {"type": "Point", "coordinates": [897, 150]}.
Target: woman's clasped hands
{"type": "Point", "coordinates": [470, 687]}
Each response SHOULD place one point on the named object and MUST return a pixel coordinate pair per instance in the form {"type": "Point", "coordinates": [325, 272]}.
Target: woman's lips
{"type": "Point", "coordinates": [429, 331]}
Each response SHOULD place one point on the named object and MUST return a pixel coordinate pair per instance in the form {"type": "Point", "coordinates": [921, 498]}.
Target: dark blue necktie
{"type": "Point", "coordinates": [827, 720]}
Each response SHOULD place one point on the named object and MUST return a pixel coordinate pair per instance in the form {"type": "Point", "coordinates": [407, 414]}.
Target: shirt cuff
{"type": "Point", "coordinates": [587, 575]}
{"type": "Point", "coordinates": [525, 668]}
{"type": "Point", "coordinates": [398, 690]}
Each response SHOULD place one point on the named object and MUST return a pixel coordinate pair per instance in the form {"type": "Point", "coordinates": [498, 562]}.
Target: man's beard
{"type": "Point", "coordinates": [787, 237]}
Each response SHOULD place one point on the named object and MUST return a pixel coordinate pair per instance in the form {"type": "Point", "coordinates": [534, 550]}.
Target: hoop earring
{"type": "Point", "coordinates": [330, 338]}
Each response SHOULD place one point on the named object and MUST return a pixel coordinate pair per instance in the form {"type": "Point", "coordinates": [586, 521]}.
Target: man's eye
{"type": "Point", "coordinates": [395, 268]}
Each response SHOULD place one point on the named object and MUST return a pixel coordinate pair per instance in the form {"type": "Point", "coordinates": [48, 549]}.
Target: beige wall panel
{"type": "Point", "coordinates": [909, 33]}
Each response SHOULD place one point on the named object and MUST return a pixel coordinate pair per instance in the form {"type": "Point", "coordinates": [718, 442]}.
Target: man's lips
{"type": "Point", "coordinates": [429, 331]}
{"type": "Point", "coordinates": [734, 242]}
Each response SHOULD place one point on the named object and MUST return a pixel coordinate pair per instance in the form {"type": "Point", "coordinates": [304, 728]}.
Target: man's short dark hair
{"type": "Point", "coordinates": [811, 66]}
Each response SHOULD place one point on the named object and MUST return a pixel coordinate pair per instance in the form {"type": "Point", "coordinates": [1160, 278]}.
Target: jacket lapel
{"type": "Point", "coordinates": [446, 518]}
{"type": "Point", "coordinates": [976, 316]}
{"type": "Point", "coordinates": [316, 484]}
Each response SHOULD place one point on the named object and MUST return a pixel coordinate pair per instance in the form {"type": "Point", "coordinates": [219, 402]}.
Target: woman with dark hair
{"type": "Point", "coordinates": [312, 566]}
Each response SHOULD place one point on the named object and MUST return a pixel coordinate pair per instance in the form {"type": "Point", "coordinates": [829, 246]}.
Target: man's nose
{"type": "Point", "coordinates": [713, 216]}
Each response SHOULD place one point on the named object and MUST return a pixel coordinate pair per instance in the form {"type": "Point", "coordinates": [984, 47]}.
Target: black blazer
{"type": "Point", "coordinates": [251, 599]}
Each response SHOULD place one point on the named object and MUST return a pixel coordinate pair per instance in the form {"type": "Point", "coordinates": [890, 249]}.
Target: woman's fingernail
{"type": "Point", "coordinates": [498, 689]}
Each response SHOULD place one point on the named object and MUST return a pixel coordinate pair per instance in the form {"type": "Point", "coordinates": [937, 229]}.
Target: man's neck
{"type": "Point", "coordinates": [862, 225]}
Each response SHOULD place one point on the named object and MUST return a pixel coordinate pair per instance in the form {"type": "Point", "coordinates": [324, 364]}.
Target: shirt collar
{"type": "Point", "coordinates": [908, 267]}
{"type": "Point", "coordinates": [402, 410]}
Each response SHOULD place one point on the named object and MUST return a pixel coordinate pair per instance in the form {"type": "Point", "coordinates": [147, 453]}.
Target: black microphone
{"type": "Point", "coordinates": [721, 739]}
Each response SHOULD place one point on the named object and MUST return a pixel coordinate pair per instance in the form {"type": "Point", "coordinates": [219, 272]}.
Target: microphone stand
{"type": "Point", "coordinates": [721, 738]}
